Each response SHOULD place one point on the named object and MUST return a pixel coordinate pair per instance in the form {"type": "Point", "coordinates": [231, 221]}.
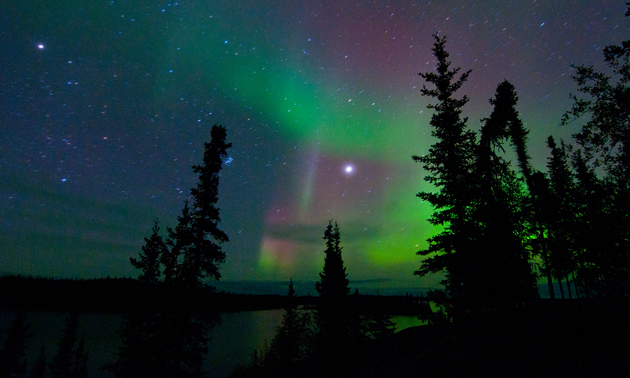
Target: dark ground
{"type": "Point", "coordinates": [561, 338]}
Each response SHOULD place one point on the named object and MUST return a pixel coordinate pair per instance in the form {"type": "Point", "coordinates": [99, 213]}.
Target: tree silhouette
{"type": "Point", "coordinates": [172, 338]}
{"type": "Point", "coordinates": [288, 340]}
{"type": "Point", "coordinates": [562, 227]}
{"type": "Point", "coordinates": [605, 143]}
{"type": "Point", "coordinates": [293, 340]}
{"type": "Point", "coordinates": [149, 262]}
{"type": "Point", "coordinates": [535, 211]}
{"type": "Point", "coordinates": [13, 352]}
{"type": "Point", "coordinates": [334, 283]}
{"type": "Point", "coordinates": [449, 166]}
{"type": "Point", "coordinates": [501, 257]}
{"type": "Point", "coordinates": [179, 240]}
{"type": "Point", "coordinates": [201, 258]}
{"type": "Point", "coordinates": [334, 318]}
{"type": "Point", "coordinates": [597, 271]}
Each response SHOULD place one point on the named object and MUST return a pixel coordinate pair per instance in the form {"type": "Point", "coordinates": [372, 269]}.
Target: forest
{"type": "Point", "coordinates": [505, 226]}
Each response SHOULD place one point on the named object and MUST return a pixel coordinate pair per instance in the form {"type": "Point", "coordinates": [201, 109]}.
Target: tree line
{"type": "Point", "coordinates": [503, 227]}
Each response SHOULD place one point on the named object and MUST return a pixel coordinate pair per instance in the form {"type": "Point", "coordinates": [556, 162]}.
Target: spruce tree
{"type": "Point", "coordinates": [174, 340]}
{"type": "Point", "coordinates": [149, 262]}
{"type": "Point", "coordinates": [290, 343]}
{"type": "Point", "coordinates": [449, 166]}
{"type": "Point", "coordinates": [541, 203]}
{"type": "Point", "coordinates": [333, 313]}
{"type": "Point", "coordinates": [195, 254]}
{"type": "Point", "coordinates": [562, 221]}
{"type": "Point", "coordinates": [179, 240]}
{"type": "Point", "coordinates": [605, 142]}
{"type": "Point", "coordinates": [334, 283]}
{"type": "Point", "coordinates": [502, 259]}
{"type": "Point", "coordinates": [202, 257]}
{"type": "Point", "coordinates": [595, 232]}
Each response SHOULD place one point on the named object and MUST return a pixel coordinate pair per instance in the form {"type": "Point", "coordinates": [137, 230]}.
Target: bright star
{"type": "Point", "coordinates": [40, 46]}
{"type": "Point", "coordinates": [349, 169]}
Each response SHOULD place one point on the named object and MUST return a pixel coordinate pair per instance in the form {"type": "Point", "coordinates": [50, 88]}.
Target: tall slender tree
{"type": "Point", "coordinates": [149, 261]}
{"type": "Point", "coordinates": [449, 166]}
{"type": "Point", "coordinates": [535, 208]}
{"type": "Point", "coordinates": [333, 313]}
{"type": "Point", "coordinates": [202, 258]}
{"type": "Point", "coordinates": [173, 340]}
{"type": "Point", "coordinates": [502, 259]}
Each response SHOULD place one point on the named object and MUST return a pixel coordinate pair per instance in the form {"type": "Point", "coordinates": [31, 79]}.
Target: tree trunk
{"type": "Point", "coordinates": [577, 292]}
{"type": "Point", "coordinates": [566, 279]}
{"type": "Point", "coordinates": [560, 286]}
{"type": "Point", "coordinates": [543, 245]}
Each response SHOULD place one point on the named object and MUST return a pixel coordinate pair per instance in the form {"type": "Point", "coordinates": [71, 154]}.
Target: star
{"type": "Point", "coordinates": [40, 46]}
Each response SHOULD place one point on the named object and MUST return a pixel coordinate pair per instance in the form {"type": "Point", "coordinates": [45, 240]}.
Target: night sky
{"type": "Point", "coordinates": [105, 106]}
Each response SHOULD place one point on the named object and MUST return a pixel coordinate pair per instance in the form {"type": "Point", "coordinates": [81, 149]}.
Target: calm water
{"type": "Point", "coordinates": [232, 343]}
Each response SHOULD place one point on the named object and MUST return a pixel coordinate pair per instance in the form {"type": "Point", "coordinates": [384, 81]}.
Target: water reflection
{"type": "Point", "coordinates": [232, 344]}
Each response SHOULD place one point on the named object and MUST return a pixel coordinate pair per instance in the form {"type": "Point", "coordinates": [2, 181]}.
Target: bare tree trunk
{"type": "Point", "coordinates": [552, 294]}
{"type": "Point", "coordinates": [566, 279]}
{"type": "Point", "coordinates": [577, 292]}
{"type": "Point", "coordinates": [560, 286]}
{"type": "Point", "coordinates": [543, 245]}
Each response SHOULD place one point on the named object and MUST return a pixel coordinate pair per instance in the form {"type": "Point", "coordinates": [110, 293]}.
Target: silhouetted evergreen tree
{"type": "Point", "coordinates": [174, 340]}
{"type": "Point", "coordinates": [197, 239]}
{"type": "Point", "coordinates": [287, 342]}
{"type": "Point", "coordinates": [534, 210]}
{"type": "Point", "coordinates": [149, 262]}
{"type": "Point", "coordinates": [63, 363]}
{"type": "Point", "coordinates": [562, 220]}
{"type": "Point", "coordinates": [334, 317]}
{"type": "Point", "coordinates": [13, 352]}
{"type": "Point", "coordinates": [449, 166]}
{"type": "Point", "coordinates": [293, 340]}
{"type": "Point", "coordinates": [541, 199]}
{"type": "Point", "coordinates": [179, 240]}
{"type": "Point", "coordinates": [501, 257]}
{"type": "Point", "coordinates": [605, 141]}
{"type": "Point", "coordinates": [201, 258]}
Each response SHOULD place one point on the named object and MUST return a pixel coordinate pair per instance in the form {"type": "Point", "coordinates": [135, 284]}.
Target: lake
{"type": "Point", "coordinates": [232, 344]}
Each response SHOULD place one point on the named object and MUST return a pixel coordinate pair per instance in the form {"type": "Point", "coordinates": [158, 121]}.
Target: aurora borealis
{"type": "Point", "coordinates": [105, 106]}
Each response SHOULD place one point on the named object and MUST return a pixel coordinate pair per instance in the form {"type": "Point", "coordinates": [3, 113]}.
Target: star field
{"type": "Point", "coordinates": [105, 106]}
